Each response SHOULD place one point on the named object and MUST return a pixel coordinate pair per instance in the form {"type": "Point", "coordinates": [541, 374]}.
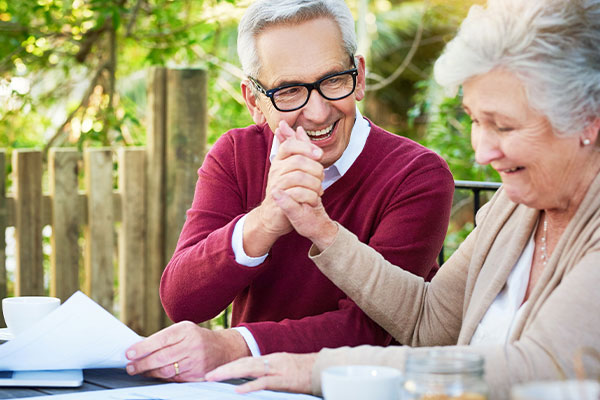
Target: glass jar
{"type": "Point", "coordinates": [444, 375]}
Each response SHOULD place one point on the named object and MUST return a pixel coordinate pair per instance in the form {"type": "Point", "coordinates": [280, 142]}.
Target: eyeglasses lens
{"type": "Point", "coordinates": [333, 88]}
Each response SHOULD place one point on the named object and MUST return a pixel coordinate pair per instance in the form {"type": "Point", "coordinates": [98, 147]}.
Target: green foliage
{"type": "Point", "coordinates": [397, 27]}
{"type": "Point", "coordinates": [69, 70]}
{"type": "Point", "coordinates": [448, 132]}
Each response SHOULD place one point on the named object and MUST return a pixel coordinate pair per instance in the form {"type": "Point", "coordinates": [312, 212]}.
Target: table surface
{"type": "Point", "coordinates": [93, 379]}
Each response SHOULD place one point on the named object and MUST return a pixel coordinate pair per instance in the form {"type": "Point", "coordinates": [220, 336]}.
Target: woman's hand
{"type": "Point", "coordinates": [279, 371]}
{"type": "Point", "coordinates": [312, 222]}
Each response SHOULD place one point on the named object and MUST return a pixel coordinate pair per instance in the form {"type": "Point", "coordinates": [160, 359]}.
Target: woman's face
{"type": "Point", "coordinates": [538, 168]}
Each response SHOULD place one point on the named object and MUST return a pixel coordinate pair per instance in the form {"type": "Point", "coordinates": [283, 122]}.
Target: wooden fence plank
{"type": "Point", "coordinates": [155, 197]}
{"type": "Point", "coordinates": [186, 138]}
{"type": "Point", "coordinates": [3, 225]}
{"type": "Point", "coordinates": [132, 238]}
{"type": "Point", "coordinates": [99, 231]}
{"type": "Point", "coordinates": [27, 175]}
{"type": "Point", "coordinates": [64, 197]}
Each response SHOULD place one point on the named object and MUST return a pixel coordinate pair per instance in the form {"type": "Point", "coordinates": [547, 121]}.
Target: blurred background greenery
{"type": "Point", "coordinates": [73, 72]}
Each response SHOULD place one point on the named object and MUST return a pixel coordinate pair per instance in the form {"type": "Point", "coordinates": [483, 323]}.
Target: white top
{"type": "Point", "coordinates": [358, 138]}
{"type": "Point", "coordinates": [500, 319]}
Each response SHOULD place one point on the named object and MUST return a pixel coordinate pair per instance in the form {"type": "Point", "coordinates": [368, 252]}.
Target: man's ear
{"type": "Point", "coordinates": [252, 103]}
{"type": "Point", "coordinates": [359, 92]}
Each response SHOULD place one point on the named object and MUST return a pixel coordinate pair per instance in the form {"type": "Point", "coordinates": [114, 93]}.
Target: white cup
{"type": "Point", "coordinates": [360, 382]}
{"type": "Point", "coordinates": [23, 311]}
{"type": "Point", "coordinates": [557, 390]}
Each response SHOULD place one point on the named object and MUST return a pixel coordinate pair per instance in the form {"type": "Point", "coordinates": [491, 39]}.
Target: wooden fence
{"type": "Point", "coordinates": [145, 212]}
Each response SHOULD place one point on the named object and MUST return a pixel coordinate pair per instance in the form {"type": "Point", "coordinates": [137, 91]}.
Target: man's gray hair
{"type": "Point", "coordinates": [552, 46]}
{"type": "Point", "coordinates": [265, 13]}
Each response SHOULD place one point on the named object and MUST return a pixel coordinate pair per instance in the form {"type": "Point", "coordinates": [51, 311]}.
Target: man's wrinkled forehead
{"type": "Point", "coordinates": [272, 51]}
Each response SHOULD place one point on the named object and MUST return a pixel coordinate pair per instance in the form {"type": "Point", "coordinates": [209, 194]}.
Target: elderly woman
{"type": "Point", "coordinates": [523, 288]}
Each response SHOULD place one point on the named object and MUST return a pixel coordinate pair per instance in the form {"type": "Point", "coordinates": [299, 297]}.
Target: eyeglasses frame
{"type": "Point", "coordinates": [316, 85]}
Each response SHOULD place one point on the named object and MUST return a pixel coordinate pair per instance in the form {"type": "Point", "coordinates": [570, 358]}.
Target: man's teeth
{"type": "Point", "coordinates": [321, 134]}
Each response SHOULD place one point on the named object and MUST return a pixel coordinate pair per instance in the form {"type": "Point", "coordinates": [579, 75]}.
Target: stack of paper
{"type": "Point", "coordinates": [78, 334]}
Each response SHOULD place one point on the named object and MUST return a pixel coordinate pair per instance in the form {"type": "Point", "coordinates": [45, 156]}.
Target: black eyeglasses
{"type": "Point", "coordinates": [294, 96]}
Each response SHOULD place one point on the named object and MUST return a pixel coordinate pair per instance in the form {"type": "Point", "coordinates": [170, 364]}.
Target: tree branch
{"type": "Point", "coordinates": [83, 104]}
{"type": "Point", "coordinates": [133, 18]}
{"type": "Point", "coordinates": [230, 68]}
{"type": "Point", "coordinates": [409, 55]}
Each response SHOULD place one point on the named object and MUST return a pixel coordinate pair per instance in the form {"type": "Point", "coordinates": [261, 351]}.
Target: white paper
{"type": "Point", "coordinates": [180, 391]}
{"type": "Point", "coordinates": [79, 334]}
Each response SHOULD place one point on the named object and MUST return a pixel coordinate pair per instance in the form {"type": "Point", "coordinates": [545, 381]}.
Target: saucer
{"type": "Point", "coordinates": [5, 334]}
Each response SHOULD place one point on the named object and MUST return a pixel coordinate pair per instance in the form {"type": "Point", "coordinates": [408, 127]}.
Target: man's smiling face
{"type": "Point", "coordinates": [304, 53]}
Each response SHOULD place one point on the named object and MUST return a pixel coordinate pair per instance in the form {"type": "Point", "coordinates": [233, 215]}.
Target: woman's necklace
{"type": "Point", "coordinates": [544, 247]}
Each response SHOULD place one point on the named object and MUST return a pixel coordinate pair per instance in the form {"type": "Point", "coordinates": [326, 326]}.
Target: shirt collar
{"type": "Point", "coordinates": [358, 138]}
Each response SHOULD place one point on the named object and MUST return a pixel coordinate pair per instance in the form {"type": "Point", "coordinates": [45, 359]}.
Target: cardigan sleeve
{"type": "Point", "coordinates": [415, 312]}
{"type": "Point", "coordinates": [421, 313]}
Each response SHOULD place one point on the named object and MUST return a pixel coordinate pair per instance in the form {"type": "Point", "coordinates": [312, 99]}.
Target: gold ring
{"type": "Point", "coordinates": [176, 365]}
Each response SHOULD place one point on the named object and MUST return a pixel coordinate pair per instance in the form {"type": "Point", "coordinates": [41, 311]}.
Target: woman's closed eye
{"type": "Point", "coordinates": [504, 128]}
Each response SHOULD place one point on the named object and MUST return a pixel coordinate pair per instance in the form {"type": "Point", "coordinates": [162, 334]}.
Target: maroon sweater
{"type": "Point", "coordinates": [396, 197]}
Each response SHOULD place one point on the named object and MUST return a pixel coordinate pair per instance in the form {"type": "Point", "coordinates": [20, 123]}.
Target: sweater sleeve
{"type": "Point", "coordinates": [415, 312]}
{"type": "Point", "coordinates": [202, 277]}
{"type": "Point", "coordinates": [410, 233]}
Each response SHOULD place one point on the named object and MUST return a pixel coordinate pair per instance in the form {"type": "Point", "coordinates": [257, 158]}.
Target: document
{"type": "Point", "coordinates": [180, 391]}
{"type": "Point", "coordinates": [79, 334]}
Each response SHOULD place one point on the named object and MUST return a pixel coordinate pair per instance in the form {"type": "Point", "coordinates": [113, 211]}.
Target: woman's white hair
{"type": "Point", "coordinates": [265, 13]}
{"type": "Point", "coordinates": [552, 46]}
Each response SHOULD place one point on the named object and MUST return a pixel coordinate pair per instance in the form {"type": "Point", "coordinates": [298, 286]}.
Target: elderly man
{"type": "Point", "coordinates": [304, 79]}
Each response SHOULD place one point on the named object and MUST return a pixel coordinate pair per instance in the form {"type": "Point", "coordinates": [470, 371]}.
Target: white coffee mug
{"type": "Point", "coordinates": [557, 390]}
{"type": "Point", "coordinates": [21, 312]}
{"type": "Point", "coordinates": [359, 382]}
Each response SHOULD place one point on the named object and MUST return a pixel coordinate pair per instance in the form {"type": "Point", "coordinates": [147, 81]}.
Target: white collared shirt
{"type": "Point", "coordinates": [358, 138]}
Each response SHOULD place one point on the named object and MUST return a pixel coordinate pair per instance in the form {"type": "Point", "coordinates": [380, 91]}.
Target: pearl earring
{"type": "Point", "coordinates": [586, 142]}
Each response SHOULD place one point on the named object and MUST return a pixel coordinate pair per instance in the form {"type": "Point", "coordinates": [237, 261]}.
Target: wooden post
{"type": "Point", "coordinates": [186, 138]}
{"type": "Point", "coordinates": [155, 197]}
{"type": "Point", "coordinates": [27, 173]}
{"type": "Point", "coordinates": [99, 232]}
{"type": "Point", "coordinates": [3, 224]}
{"type": "Point", "coordinates": [132, 238]}
{"type": "Point", "coordinates": [64, 197]}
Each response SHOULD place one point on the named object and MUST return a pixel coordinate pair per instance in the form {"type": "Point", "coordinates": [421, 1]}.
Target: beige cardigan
{"type": "Point", "coordinates": [562, 315]}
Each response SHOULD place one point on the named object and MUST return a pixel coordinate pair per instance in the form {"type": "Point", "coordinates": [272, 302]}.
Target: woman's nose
{"type": "Point", "coordinates": [486, 146]}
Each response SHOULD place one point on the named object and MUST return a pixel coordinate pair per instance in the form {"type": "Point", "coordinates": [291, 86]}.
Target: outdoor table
{"type": "Point", "coordinates": [93, 379]}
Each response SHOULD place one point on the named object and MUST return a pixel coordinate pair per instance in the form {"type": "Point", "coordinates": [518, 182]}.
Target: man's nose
{"type": "Point", "coordinates": [317, 107]}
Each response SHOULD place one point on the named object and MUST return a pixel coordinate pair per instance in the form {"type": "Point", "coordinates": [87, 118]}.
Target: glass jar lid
{"type": "Point", "coordinates": [444, 362]}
